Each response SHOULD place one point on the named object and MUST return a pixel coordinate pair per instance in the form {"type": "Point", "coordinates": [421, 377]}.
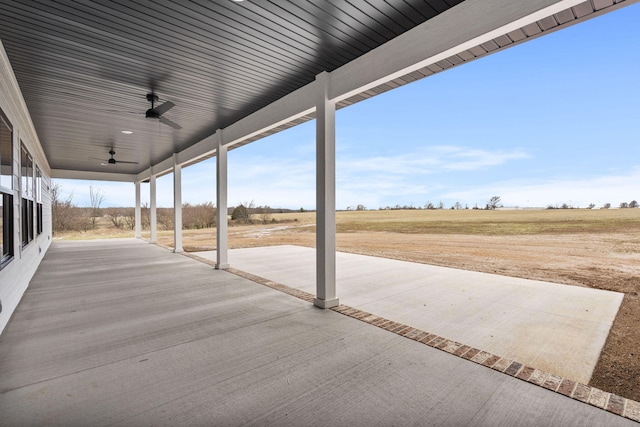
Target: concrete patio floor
{"type": "Point", "coordinates": [556, 328]}
{"type": "Point", "coordinates": [125, 333]}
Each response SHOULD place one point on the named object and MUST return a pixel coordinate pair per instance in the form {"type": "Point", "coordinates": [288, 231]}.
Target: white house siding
{"type": "Point", "coordinates": [16, 275]}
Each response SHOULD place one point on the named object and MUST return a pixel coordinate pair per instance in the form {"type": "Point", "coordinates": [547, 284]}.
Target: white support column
{"type": "Point", "coordinates": [153, 223]}
{"type": "Point", "coordinates": [138, 212]}
{"type": "Point", "coordinates": [177, 205]}
{"type": "Point", "coordinates": [325, 195]}
{"type": "Point", "coordinates": [222, 234]}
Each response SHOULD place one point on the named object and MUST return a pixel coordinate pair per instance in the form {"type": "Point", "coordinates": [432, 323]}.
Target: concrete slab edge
{"type": "Point", "coordinates": [601, 399]}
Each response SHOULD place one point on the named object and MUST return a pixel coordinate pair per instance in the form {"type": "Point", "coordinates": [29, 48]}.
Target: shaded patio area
{"type": "Point", "coordinates": [125, 333]}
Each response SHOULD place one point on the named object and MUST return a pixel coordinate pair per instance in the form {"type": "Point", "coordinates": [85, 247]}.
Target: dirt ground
{"type": "Point", "coordinates": [609, 261]}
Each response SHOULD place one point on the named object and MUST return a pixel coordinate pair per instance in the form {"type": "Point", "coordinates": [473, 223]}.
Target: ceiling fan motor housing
{"type": "Point", "coordinates": [157, 112]}
{"type": "Point", "coordinates": [151, 112]}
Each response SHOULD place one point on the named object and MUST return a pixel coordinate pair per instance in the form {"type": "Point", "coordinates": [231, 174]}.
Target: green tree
{"type": "Point", "coordinates": [240, 214]}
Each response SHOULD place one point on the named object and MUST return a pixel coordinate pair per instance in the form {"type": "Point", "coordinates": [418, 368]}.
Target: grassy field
{"type": "Point", "coordinates": [491, 223]}
{"type": "Point", "coordinates": [593, 248]}
{"type": "Point", "coordinates": [469, 222]}
{"type": "Point", "coordinates": [480, 222]}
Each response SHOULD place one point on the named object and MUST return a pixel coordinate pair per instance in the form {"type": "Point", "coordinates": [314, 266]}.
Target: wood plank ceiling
{"type": "Point", "coordinates": [85, 67]}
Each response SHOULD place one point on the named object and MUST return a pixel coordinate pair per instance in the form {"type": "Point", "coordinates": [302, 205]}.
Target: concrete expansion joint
{"type": "Point", "coordinates": [609, 402]}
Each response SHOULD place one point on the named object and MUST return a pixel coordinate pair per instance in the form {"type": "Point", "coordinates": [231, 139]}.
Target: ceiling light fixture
{"type": "Point", "coordinates": [127, 132]}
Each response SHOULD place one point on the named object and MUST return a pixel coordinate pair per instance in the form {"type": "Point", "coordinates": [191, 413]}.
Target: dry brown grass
{"type": "Point", "coordinates": [490, 223]}
{"type": "Point", "coordinates": [593, 248]}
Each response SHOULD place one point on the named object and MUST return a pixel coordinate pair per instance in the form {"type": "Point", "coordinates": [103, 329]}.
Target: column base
{"type": "Point", "coordinates": [321, 303]}
{"type": "Point", "coordinates": [178, 250]}
{"type": "Point", "coordinates": [222, 266]}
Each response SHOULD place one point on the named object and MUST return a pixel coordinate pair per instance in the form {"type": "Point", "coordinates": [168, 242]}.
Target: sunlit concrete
{"type": "Point", "coordinates": [553, 327]}
{"type": "Point", "coordinates": [123, 333]}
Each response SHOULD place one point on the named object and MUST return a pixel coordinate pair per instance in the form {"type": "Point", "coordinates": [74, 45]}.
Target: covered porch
{"type": "Point", "coordinates": [127, 333]}
{"type": "Point", "coordinates": [122, 332]}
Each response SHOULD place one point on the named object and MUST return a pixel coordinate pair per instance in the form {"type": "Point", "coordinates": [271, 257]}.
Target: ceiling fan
{"type": "Point", "coordinates": [112, 161]}
{"type": "Point", "coordinates": [157, 112]}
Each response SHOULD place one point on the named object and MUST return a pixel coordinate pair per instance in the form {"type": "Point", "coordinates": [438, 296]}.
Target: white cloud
{"type": "Point", "coordinates": [397, 165]}
{"type": "Point", "coordinates": [115, 193]}
{"type": "Point", "coordinates": [575, 191]}
{"type": "Point", "coordinates": [273, 181]}
{"type": "Point", "coordinates": [380, 191]}
{"type": "Point", "coordinates": [462, 159]}
{"type": "Point", "coordinates": [430, 160]}
{"type": "Point", "coordinates": [286, 180]}
{"type": "Point", "coordinates": [398, 179]}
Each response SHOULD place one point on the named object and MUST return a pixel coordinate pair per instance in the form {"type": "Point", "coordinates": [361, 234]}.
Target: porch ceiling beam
{"type": "Point", "coordinates": [290, 107]}
{"type": "Point", "coordinates": [95, 176]}
{"type": "Point", "coordinates": [158, 170]}
{"type": "Point", "coordinates": [202, 149]}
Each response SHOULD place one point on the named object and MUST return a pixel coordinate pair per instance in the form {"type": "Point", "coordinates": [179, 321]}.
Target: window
{"type": "Point", "coordinates": [39, 218]}
{"type": "Point", "coordinates": [6, 190]}
{"type": "Point", "coordinates": [26, 165]}
{"type": "Point", "coordinates": [38, 197]}
{"type": "Point", "coordinates": [6, 228]}
{"type": "Point", "coordinates": [26, 190]}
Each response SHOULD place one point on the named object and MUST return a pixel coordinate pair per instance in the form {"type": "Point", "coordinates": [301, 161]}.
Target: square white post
{"type": "Point", "coordinates": [325, 195]}
{"type": "Point", "coordinates": [152, 214]}
{"type": "Point", "coordinates": [177, 205]}
{"type": "Point", "coordinates": [222, 234]}
{"type": "Point", "coordinates": [138, 216]}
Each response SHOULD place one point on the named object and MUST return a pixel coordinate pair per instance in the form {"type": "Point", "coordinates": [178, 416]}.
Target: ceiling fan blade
{"type": "Point", "coordinates": [98, 158]}
{"type": "Point", "coordinates": [161, 109]}
{"type": "Point", "coordinates": [169, 122]}
{"type": "Point", "coordinates": [103, 110]}
{"type": "Point", "coordinates": [129, 163]}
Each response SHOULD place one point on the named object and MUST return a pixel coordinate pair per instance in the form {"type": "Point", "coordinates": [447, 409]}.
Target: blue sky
{"type": "Point", "coordinates": [555, 120]}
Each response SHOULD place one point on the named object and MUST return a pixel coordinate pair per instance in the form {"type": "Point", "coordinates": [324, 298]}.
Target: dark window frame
{"type": "Point", "coordinates": [26, 195]}
{"type": "Point", "coordinates": [7, 229]}
{"type": "Point", "coordinates": [39, 221]}
{"type": "Point", "coordinates": [38, 199]}
{"type": "Point", "coordinates": [7, 203]}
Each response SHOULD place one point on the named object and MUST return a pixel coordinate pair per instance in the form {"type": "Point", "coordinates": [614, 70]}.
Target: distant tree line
{"type": "Point", "coordinates": [248, 213]}
{"type": "Point", "coordinates": [492, 204]}
{"type": "Point", "coordinates": [623, 205]}
{"type": "Point", "coordinates": [66, 216]}
{"type": "Point", "coordinates": [631, 204]}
